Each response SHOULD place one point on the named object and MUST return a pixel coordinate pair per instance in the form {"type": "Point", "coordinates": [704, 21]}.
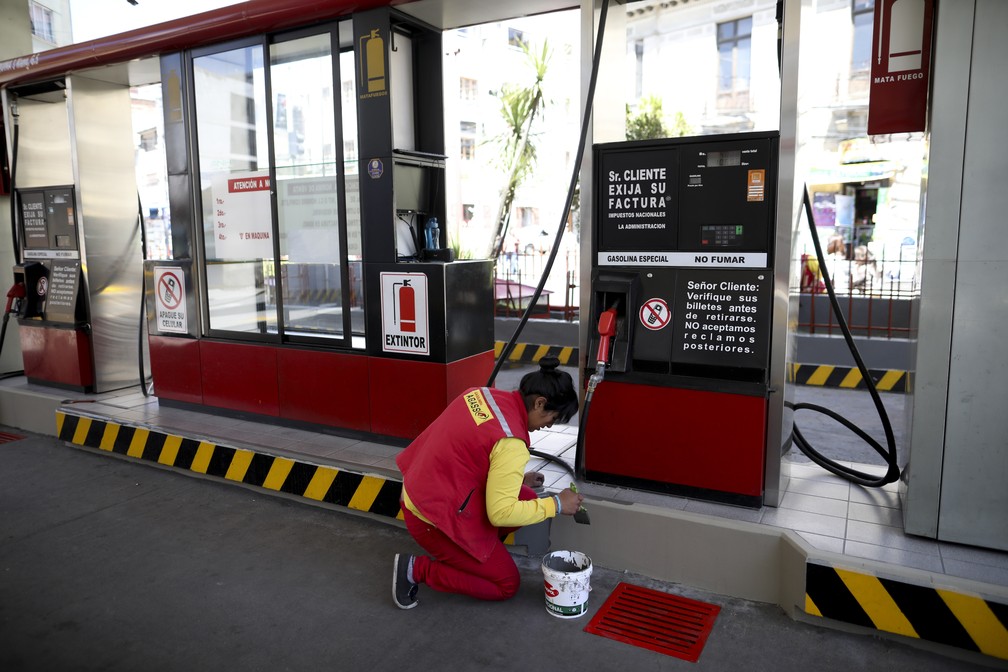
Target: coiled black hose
{"type": "Point", "coordinates": [889, 451]}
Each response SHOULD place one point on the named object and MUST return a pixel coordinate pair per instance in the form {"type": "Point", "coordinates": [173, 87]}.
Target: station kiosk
{"type": "Point", "coordinates": [332, 297]}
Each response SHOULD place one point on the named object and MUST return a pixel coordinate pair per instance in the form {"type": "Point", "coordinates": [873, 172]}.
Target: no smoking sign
{"type": "Point", "coordinates": [169, 286]}
{"type": "Point", "coordinates": [655, 314]}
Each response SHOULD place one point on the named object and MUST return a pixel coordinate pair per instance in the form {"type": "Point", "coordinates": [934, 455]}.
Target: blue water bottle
{"type": "Point", "coordinates": [432, 233]}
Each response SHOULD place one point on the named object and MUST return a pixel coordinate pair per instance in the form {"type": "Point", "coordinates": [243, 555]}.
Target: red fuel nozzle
{"type": "Point", "coordinates": [606, 330]}
{"type": "Point", "coordinates": [17, 291]}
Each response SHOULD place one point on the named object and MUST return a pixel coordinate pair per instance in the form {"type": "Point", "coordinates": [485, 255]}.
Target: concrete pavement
{"type": "Point", "coordinates": [107, 564]}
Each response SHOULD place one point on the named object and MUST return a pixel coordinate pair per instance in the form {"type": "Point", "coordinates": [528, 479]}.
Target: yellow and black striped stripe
{"type": "Point", "coordinates": [528, 353]}
{"type": "Point", "coordinates": [826, 375]}
{"type": "Point", "coordinates": [362, 492]}
{"type": "Point", "coordinates": [924, 612]}
{"type": "Point", "coordinates": [822, 375]}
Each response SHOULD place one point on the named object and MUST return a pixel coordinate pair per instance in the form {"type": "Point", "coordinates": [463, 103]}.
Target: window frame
{"type": "Point", "coordinates": [734, 98]}
{"type": "Point", "coordinates": [280, 336]}
{"type": "Point", "coordinates": [47, 15]}
{"type": "Point", "coordinates": [859, 77]}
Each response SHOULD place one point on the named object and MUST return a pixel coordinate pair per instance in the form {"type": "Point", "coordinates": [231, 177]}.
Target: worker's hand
{"type": "Point", "coordinates": [534, 479]}
{"type": "Point", "coordinates": [570, 501]}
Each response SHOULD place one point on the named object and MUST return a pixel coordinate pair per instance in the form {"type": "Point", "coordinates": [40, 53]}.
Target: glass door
{"type": "Point", "coordinates": [270, 157]}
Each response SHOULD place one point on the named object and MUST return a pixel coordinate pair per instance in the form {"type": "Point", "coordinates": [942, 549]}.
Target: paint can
{"type": "Point", "coordinates": [567, 582]}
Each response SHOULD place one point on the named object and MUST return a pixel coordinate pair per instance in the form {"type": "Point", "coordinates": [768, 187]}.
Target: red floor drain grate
{"type": "Point", "coordinates": [7, 438]}
{"type": "Point", "coordinates": [675, 626]}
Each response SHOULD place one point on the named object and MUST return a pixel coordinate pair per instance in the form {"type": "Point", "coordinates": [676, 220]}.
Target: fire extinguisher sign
{"type": "Point", "coordinates": [404, 313]}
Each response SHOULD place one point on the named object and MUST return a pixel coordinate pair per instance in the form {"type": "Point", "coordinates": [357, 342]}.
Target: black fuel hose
{"type": "Point", "coordinates": [14, 228]}
{"type": "Point", "coordinates": [13, 182]}
{"type": "Point", "coordinates": [889, 451]}
{"type": "Point", "coordinates": [143, 301]}
{"type": "Point", "coordinates": [596, 58]}
{"type": "Point", "coordinates": [582, 419]}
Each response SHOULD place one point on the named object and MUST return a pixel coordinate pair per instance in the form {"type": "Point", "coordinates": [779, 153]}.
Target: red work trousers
{"type": "Point", "coordinates": [450, 569]}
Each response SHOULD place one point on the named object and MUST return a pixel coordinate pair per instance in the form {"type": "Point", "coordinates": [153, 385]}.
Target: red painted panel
{"type": "Point", "coordinates": [708, 440]}
{"type": "Point", "coordinates": [326, 388]}
{"type": "Point", "coordinates": [406, 396]}
{"type": "Point", "coordinates": [240, 376]}
{"type": "Point", "coordinates": [175, 367]}
{"type": "Point", "coordinates": [59, 356]}
{"type": "Point", "coordinates": [469, 372]}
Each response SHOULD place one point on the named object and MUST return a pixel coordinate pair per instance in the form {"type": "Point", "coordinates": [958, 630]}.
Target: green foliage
{"type": "Point", "coordinates": [460, 253]}
{"type": "Point", "coordinates": [680, 127]}
{"type": "Point", "coordinates": [649, 121]}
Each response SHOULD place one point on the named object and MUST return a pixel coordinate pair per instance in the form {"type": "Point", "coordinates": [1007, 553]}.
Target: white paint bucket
{"type": "Point", "coordinates": [567, 582]}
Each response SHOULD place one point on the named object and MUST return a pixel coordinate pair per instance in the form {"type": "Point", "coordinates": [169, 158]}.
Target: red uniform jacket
{"type": "Point", "coordinates": [445, 468]}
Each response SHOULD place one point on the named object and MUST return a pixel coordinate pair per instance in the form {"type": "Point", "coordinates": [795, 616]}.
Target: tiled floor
{"type": "Point", "coordinates": [828, 512]}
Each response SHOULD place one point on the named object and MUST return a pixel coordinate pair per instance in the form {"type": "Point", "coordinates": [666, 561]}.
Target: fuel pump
{"type": "Point", "coordinates": [682, 252]}
{"type": "Point", "coordinates": [74, 241]}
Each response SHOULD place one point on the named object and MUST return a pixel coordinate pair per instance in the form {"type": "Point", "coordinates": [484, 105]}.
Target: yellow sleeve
{"type": "Point", "coordinates": [507, 469]}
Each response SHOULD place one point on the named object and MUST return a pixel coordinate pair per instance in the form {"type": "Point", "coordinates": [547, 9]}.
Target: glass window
{"type": "Point", "coordinates": [278, 185]}
{"type": "Point", "coordinates": [42, 22]}
{"type": "Point", "coordinates": [467, 148]}
{"type": "Point", "coordinates": [516, 38]}
{"type": "Point", "coordinates": [468, 88]}
{"type": "Point", "coordinates": [734, 39]}
{"type": "Point", "coordinates": [863, 18]}
{"type": "Point", "coordinates": [304, 126]}
{"type": "Point", "coordinates": [232, 146]}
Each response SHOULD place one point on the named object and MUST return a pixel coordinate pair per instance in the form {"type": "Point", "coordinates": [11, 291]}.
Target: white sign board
{"type": "Point", "coordinates": [684, 259]}
{"type": "Point", "coordinates": [242, 215]}
{"type": "Point", "coordinates": [169, 288]}
{"type": "Point", "coordinates": [404, 313]}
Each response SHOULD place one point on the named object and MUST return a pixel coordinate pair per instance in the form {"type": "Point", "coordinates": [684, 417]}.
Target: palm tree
{"type": "Point", "coordinates": [519, 107]}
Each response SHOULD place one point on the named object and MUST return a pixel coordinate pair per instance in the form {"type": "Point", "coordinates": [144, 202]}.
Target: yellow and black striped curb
{"type": "Point", "coordinates": [368, 493]}
{"type": "Point", "coordinates": [825, 375]}
{"type": "Point", "coordinates": [361, 492]}
{"type": "Point", "coordinates": [525, 352]}
{"type": "Point", "coordinates": [822, 375]}
{"type": "Point", "coordinates": [937, 615]}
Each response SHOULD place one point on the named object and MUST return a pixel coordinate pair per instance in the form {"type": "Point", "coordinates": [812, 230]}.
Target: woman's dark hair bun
{"type": "Point", "coordinates": [555, 384]}
{"type": "Point", "coordinates": [549, 363]}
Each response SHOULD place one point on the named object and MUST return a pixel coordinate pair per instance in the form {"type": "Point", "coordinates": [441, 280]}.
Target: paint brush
{"type": "Point", "coordinates": [581, 515]}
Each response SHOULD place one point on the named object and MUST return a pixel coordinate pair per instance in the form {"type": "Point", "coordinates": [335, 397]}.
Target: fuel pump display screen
{"type": "Point", "coordinates": [726, 200]}
{"type": "Point", "coordinates": [715, 159]}
{"type": "Point", "coordinates": [61, 218]}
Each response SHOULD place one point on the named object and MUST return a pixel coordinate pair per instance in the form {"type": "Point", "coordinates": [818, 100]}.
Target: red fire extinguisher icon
{"type": "Point", "coordinates": [406, 310]}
